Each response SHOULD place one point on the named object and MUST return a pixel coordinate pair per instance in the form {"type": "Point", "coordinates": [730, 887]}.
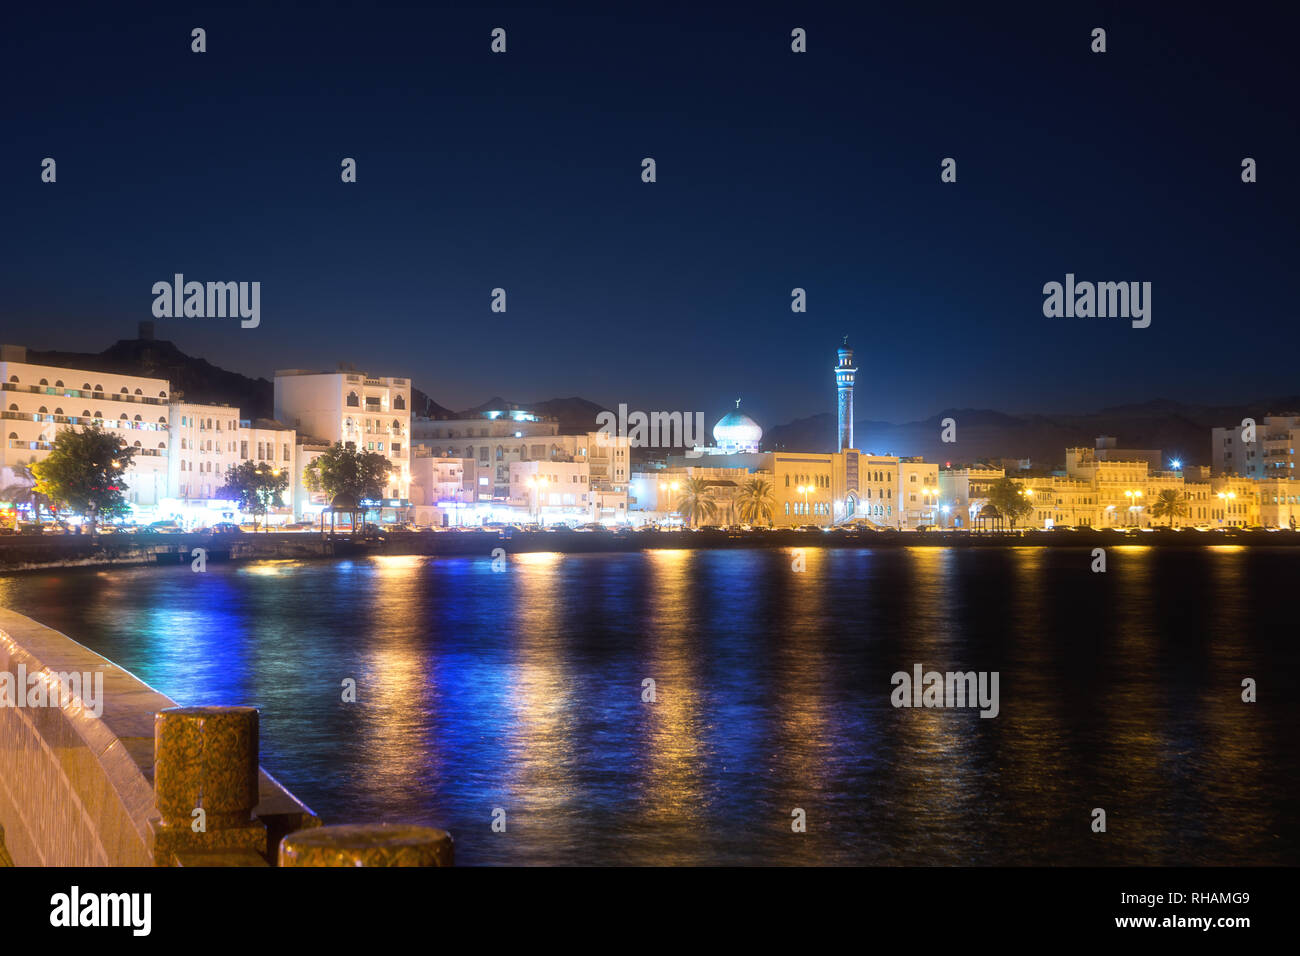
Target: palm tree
{"type": "Point", "coordinates": [695, 503]}
{"type": "Point", "coordinates": [756, 501]}
{"type": "Point", "coordinates": [1170, 504]}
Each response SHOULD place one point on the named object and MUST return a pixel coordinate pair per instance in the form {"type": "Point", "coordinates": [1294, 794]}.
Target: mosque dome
{"type": "Point", "coordinates": [737, 428]}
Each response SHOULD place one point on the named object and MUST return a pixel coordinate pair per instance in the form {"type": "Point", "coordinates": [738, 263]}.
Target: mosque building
{"type": "Point", "coordinates": [734, 434]}
{"type": "Point", "coordinates": [808, 488]}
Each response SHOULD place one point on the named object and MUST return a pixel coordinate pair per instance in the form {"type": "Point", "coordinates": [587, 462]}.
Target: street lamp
{"type": "Point", "coordinates": [1225, 497]}
{"type": "Point", "coordinates": [537, 484]}
{"type": "Point", "coordinates": [806, 490]}
{"type": "Point", "coordinates": [1135, 506]}
{"type": "Point", "coordinates": [930, 497]}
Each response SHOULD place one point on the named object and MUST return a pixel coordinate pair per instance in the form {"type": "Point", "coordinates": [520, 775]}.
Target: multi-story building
{"type": "Point", "coordinates": [363, 412]}
{"type": "Point", "coordinates": [204, 450]}
{"type": "Point", "coordinates": [1058, 500]}
{"type": "Point", "coordinates": [552, 492]}
{"type": "Point", "coordinates": [1279, 502]}
{"type": "Point", "coordinates": [41, 400]}
{"type": "Point", "coordinates": [920, 498]}
{"type": "Point", "coordinates": [442, 490]}
{"type": "Point", "coordinates": [964, 491]}
{"type": "Point", "coordinates": [1270, 455]}
{"type": "Point", "coordinates": [496, 440]}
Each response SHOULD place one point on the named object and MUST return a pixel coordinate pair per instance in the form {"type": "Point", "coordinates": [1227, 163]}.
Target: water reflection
{"type": "Point", "coordinates": [523, 689]}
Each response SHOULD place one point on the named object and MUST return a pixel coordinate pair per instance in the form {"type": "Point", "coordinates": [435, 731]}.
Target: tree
{"type": "Point", "coordinates": [84, 471]}
{"type": "Point", "coordinates": [1010, 500]}
{"type": "Point", "coordinates": [344, 470]}
{"type": "Point", "coordinates": [257, 487]}
{"type": "Point", "coordinates": [1170, 504]}
{"type": "Point", "coordinates": [756, 501]}
{"type": "Point", "coordinates": [695, 503]}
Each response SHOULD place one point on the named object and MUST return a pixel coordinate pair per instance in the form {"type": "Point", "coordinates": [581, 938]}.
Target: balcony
{"type": "Point", "coordinates": [80, 393]}
{"type": "Point", "coordinates": [78, 420]}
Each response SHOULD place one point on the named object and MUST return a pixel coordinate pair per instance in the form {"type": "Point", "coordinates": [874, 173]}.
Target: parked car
{"type": "Point", "coordinates": [166, 527]}
{"type": "Point", "coordinates": [225, 527]}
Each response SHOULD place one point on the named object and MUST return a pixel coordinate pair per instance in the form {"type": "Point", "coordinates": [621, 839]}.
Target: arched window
{"type": "Point", "coordinates": [14, 379]}
{"type": "Point", "coordinates": [137, 445]}
{"type": "Point", "coordinates": [42, 410]}
{"type": "Point", "coordinates": [85, 386]}
{"type": "Point", "coordinates": [162, 419]}
{"type": "Point", "coordinates": [162, 394]}
{"type": "Point", "coordinates": [13, 408]}
{"type": "Point", "coordinates": [353, 401]}
{"type": "Point", "coordinates": [44, 382]}
{"type": "Point", "coordinates": [99, 388]}
{"type": "Point", "coordinates": [500, 453]}
{"type": "Point", "coordinates": [58, 411]}
{"type": "Point", "coordinates": [138, 392]}
{"type": "Point", "coordinates": [85, 413]}
{"type": "Point", "coordinates": [162, 444]}
{"type": "Point", "coordinates": [184, 444]}
{"type": "Point", "coordinates": [99, 415]}
{"type": "Point", "coordinates": [58, 383]}
{"type": "Point", "coordinates": [399, 402]}
{"type": "Point", "coordinates": [13, 436]}
{"type": "Point", "coordinates": [137, 418]}
{"type": "Point", "coordinates": [125, 391]}
{"type": "Point", "coordinates": [123, 417]}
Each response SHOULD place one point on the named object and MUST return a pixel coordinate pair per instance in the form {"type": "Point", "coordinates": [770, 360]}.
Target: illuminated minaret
{"type": "Point", "coordinates": [844, 374]}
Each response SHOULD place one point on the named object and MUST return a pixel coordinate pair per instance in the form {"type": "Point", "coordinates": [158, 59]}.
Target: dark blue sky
{"type": "Point", "coordinates": [775, 170]}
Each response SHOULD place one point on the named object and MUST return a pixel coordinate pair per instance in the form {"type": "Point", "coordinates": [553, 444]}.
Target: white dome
{"type": "Point", "coordinates": [737, 428]}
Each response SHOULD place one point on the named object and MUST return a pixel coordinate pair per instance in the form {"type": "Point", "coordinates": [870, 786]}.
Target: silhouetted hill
{"type": "Point", "coordinates": [192, 379]}
{"type": "Point", "coordinates": [1178, 429]}
{"type": "Point", "coordinates": [422, 406]}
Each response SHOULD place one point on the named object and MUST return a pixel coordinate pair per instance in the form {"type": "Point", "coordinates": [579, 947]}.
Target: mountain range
{"type": "Point", "coordinates": [1180, 430]}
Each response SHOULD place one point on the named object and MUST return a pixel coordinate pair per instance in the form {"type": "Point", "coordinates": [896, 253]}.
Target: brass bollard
{"type": "Point", "coordinates": [368, 844]}
{"type": "Point", "coordinates": [205, 758]}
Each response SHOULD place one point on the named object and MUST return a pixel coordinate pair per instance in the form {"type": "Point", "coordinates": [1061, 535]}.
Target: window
{"type": "Point", "coordinates": [353, 401]}
{"type": "Point", "coordinates": [399, 402]}
{"type": "Point", "coordinates": [243, 449]}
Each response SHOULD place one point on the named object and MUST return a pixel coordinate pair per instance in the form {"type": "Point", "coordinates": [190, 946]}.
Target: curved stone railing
{"type": "Point", "coordinates": [77, 774]}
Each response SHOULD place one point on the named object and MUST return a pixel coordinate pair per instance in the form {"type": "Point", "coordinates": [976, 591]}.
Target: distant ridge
{"type": "Point", "coordinates": [1178, 429]}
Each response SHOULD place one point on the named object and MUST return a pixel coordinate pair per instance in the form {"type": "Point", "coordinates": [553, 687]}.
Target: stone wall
{"type": "Point", "coordinates": [77, 789]}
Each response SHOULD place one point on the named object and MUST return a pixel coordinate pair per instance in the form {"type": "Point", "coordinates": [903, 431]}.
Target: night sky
{"type": "Point", "coordinates": [775, 170]}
